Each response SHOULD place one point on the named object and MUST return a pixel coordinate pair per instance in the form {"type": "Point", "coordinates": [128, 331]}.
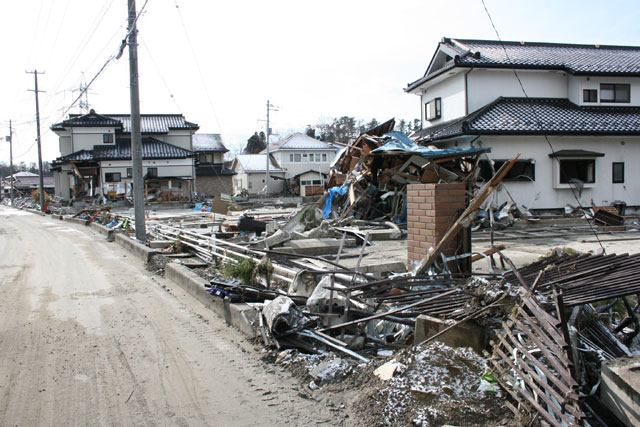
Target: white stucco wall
{"type": "Point", "coordinates": [62, 182]}
{"type": "Point", "coordinates": [541, 194]}
{"type": "Point", "coordinates": [452, 93]}
{"type": "Point", "coordinates": [166, 167]}
{"type": "Point", "coordinates": [179, 138]}
{"type": "Point", "coordinates": [86, 138]}
{"type": "Point", "coordinates": [294, 168]}
{"type": "Point", "coordinates": [485, 86]}
{"type": "Point", "coordinates": [578, 83]}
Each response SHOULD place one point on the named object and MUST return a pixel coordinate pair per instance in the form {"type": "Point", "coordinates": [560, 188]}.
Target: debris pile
{"type": "Point", "coordinates": [369, 177]}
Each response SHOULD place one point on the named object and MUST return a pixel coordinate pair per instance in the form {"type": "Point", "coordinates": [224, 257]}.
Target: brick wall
{"type": "Point", "coordinates": [431, 210]}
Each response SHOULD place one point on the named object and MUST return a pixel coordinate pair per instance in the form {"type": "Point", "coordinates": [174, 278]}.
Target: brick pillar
{"type": "Point", "coordinates": [431, 210]}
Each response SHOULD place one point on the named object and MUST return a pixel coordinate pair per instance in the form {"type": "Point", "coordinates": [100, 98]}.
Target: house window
{"type": "Point", "coordinates": [618, 172]}
{"type": "Point", "coordinates": [250, 186]}
{"type": "Point", "coordinates": [316, 182]}
{"type": "Point", "coordinates": [577, 169]}
{"type": "Point", "coordinates": [129, 172]}
{"type": "Point", "coordinates": [522, 170]}
{"type": "Point", "coordinates": [291, 158]}
{"type": "Point", "coordinates": [296, 157]}
{"type": "Point", "coordinates": [112, 177]}
{"type": "Point", "coordinates": [152, 172]}
{"type": "Point", "coordinates": [107, 138]}
{"type": "Point", "coordinates": [590, 95]}
{"type": "Point", "coordinates": [610, 92]}
{"type": "Point", "coordinates": [433, 109]}
{"type": "Point", "coordinates": [324, 157]}
{"type": "Point", "coordinates": [206, 158]}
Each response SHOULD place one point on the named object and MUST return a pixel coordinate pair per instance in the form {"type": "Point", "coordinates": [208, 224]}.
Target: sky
{"type": "Point", "coordinates": [218, 62]}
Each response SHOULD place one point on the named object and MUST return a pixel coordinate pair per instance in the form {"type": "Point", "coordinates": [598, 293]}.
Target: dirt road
{"type": "Point", "coordinates": [88, 338]}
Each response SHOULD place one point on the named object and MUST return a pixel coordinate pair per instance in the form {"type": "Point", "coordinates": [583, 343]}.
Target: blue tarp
{"type": "Point", "coordinates": [401, 142]}
{"type": "Point", "coordinates": [328, 201]}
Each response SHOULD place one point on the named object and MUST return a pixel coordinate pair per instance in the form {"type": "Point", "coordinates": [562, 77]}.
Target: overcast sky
{"type": "Point", "coordinates": [217, 62]}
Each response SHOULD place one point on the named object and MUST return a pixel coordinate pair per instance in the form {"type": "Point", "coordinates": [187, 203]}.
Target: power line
{"type": "Point", "coordinates": [538, 121]}
{"type": "Point", "coordinates": [195, 59]}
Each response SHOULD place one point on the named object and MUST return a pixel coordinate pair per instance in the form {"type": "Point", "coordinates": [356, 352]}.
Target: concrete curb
{"type": "Point", "coordinates": [76, 220]}
{"type": "Point", "coordinates": [241, 316]}
{"type": "Point", "coordinates": [139, 250]}
{"type": "Point", "coordinates": [110, 233]}
{"type": "Point", "coordinates": [37, 212]}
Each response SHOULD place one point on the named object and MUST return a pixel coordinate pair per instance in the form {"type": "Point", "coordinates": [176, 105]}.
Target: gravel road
{"type": "Point", "coordinates": [89, 338]}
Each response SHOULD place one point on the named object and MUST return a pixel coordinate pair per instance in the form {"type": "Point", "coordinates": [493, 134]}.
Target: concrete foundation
{"type": "Point", "coordinates": [316, 246]}
{"type": "Point", "coordinates": [138, 249]}
{"type": "Point", "coordinates": [620, 388]}
{"type": "Point", "coordinates": [466, 334]}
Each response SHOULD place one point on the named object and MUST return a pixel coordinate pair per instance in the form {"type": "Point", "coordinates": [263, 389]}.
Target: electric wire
{"type": "Point", "coordinates": [195, 59]}
{"type": "Point", "coordinates": [539, 122]}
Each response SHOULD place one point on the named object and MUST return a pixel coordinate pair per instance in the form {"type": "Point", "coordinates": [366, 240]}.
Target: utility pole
{"type": "Point", "coordinates": [10, 137]}
{"type": "Point", "coordinates": [136, 135]}
{"type": "Point", "coordinates": [269, 108]}
{"type": "Point", "coordinates": [35, 76]}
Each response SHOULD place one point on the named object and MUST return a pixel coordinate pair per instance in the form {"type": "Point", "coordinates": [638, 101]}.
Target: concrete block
{"type": "Point", "coordinates": [466, 334]}
{"type": "Point", "coordinates": [241, 316]}
{"type": "Point", "coordinates": [138, 249]}
{"type": "Point", "coordinates": [108, 232]}
{"type": "Point", "coordinates": [76, 220]}
{"type": "Point", "coordinates": [160, 244]}
{"type": "Point", "coordinates": [620, 388]}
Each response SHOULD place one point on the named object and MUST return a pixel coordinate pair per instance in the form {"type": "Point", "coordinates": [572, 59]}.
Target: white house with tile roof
{"type": "Point", "coordinates": [95, 157]}
{"type": "Point", "coordinates": [572, 111]}
{"type": "Point", "coordinates": [251, 172]}
{"type": "Point", "coordinates": [300, 155]}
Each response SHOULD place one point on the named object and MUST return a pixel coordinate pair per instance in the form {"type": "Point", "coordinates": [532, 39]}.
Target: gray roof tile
{"type": "Point", "coordinates": [537, 116]}
{"type": "Point", "coordinates": [149, 123]}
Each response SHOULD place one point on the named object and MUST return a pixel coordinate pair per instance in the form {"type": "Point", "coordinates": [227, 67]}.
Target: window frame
{"type": "Point", "coordinates": [614, 88]}
{"type": "Point", "coordinates": [129, 172]}
{"type": "Point", "coordinates": [437, 107]}
{"type": "Point", "coordinates": [588, 99]}
{"type": "Point", "coordinates": [112, 175]}
{"type": "Point", "coordinates": [151, 174]}
{"type": "Point", "coordinates": [107, 138]}
{"type": "Point", "coordinates": [613, 173]}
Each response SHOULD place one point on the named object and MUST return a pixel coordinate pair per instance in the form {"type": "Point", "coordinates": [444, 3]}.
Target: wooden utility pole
{"type": "Point", "coordinates": [35, 76]}
{"type": "Point", "coordinates": [136, 134]}
{"type": "Point", "coordinates": [11, 159]}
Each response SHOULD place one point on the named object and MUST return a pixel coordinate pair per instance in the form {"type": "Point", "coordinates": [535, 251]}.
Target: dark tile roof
{"type": "Point", "coordinates": [578, 59]}
{"type": "Point", "coordinates": [573, 58]}
{"type": "Point", "coordinates": [538, 116]}
{"type": "Point", "coordinates": [121, 150]}
{"type": "Point", "coordinates": [149, 123]}
{"type": "Point", "coordinates": [151, 149]}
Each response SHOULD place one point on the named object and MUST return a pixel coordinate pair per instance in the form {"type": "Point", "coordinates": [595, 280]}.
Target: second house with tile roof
{"type": "Point", "coordinates": [572, 111]}
{"type": "Point", "coordinates": [95, 159]}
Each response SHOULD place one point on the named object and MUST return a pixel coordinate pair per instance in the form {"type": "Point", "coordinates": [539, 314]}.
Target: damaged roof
{"type": "Point", "coordinates": [149, 123]}
{"type": "Point", "coordinates": [537, 116]}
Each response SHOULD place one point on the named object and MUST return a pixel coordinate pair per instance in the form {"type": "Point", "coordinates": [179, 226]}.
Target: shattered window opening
{"type": "Point", "coordinates": [577, 169]}
{"type": "Point", "coordinates": [152, 172]}
{"type": "Point", "coordinates": [522, 170]}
